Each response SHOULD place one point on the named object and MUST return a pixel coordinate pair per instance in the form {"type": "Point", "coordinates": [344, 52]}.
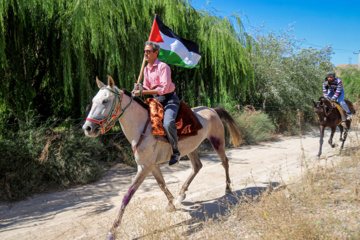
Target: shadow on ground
{"type": "Point", "coordinates": [200, 211]}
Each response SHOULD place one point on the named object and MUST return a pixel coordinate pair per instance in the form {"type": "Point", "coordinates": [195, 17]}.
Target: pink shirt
{"type": "Point", "coordinates": [159, 78]}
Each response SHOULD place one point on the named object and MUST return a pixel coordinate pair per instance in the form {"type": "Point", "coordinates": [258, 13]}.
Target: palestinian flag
{"type": "Point", "coordinates": [174, 49]}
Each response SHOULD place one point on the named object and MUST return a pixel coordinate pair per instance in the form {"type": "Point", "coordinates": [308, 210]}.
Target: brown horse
{"type": "Point", "coordinates": [111, 104]}
{"type": "Point", "coordinates": [329, 116]}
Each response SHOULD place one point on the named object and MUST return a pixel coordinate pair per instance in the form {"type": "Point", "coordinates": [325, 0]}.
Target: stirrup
{"type": "Point", "coordinates": [174, 160]}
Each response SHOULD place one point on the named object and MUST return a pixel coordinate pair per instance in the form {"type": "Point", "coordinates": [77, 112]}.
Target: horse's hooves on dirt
{"type": "Point", "coordinates": [180, 199]}
{"type": "Point", "coordinates": [170, 208]}
{"type": "Point", "coordinates": [110, 236]}
{"type": "Point", "coordinates": [228, 192]}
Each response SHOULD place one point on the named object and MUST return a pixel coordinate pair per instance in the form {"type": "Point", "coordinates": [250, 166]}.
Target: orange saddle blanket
{"type": "Point", "coordinates": [187, 123]}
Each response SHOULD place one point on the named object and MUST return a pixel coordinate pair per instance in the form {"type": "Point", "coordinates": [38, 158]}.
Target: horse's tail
{"type": "Point", "coordinates": [235, 135]}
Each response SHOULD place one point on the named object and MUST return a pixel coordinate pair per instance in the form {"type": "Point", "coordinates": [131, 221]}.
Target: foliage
{"type": "Point", "coordinates": [351, 81]}
{"type": "Point", "coordinates": [286, 76]}
{"type": "Point", "coordinates": [51, 52]}
{"type": "Point", "coordinates": [33, 160]}
{"type": "Point", "coordinates": [255, 126]}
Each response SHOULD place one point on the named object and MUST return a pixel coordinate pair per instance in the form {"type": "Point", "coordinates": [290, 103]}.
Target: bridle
{"type": "Point", "coordinates": [327, 114]}
{"type": "Point", "coordinates": [107, 123]}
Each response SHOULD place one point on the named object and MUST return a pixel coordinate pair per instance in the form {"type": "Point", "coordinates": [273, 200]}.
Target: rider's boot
{"type": "Point", "coordinates": [343, 116]}
{"type": "Point", "coordinates": [346, 109]}
{"type": "Point", "coordinates": [174, 160]}
{"type": "Point", "coordinates": [349, 116]}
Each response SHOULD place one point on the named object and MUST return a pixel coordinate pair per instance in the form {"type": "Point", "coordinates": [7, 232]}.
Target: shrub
{"type": "Point", "coordinates": [255, 126]}
{"type": "Point", "coordinates": [33, 161]}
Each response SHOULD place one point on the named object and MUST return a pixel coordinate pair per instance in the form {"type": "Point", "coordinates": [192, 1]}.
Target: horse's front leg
{"type": "Point", "coordinates": [333, 129]}
{"type": "Point", "coordinates": [322, 128]}
{"type": "Point", "coordinates": [341, 132]}
{"type": "Point", "coordinates": [142, 172]}
{"type": "Point", "coordinates": [160, 180]}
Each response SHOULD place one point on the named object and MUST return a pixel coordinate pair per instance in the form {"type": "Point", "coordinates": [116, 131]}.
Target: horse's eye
{"type": "Point", "coordinates": [105, 101]}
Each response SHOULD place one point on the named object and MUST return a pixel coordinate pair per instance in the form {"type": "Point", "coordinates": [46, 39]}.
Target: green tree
{"type": "Point", "coordinates": [351, 81]}
{"type": "Point", "coordinates": [52, 50]}
{"type": "Point", "coordinates": [288, 77]}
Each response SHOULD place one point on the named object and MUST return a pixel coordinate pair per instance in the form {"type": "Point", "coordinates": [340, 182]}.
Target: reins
{"type": "Point", "coordinates": [330, 111]}
{"type": "Point", "coordinates": [328, 114]}
{"type": "Point", "coordinates": [107, 123]}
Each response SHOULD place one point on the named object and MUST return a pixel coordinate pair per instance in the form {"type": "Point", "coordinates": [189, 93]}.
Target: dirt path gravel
{"type": "Point", "coordinates": [87, 212]}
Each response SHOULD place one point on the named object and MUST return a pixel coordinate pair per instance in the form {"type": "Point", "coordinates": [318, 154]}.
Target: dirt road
{"type": "Point", "coordinates": [87, 212]}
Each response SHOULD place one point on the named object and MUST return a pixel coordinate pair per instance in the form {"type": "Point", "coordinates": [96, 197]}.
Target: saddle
{"type": "Point", "coordinates": [187, 124]}
{"type": "Point", "coordinates": [342, 111]}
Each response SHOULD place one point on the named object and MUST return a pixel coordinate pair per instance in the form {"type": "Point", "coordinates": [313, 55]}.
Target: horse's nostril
{"type": "Point", "coordinates": [88, 128]}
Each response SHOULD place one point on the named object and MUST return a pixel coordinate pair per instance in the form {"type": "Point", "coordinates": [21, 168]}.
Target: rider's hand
{"type": "Point", "coordinates": [135, 92]}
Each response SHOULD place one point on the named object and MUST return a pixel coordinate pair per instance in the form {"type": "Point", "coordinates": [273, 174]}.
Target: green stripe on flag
{"type": "Point", "coordinates": [170, 57]}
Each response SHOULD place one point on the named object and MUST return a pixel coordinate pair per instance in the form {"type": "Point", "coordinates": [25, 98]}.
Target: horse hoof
{"type": "Point", "coordinates": [110, 236]}
{"type": "Point", "coordinates": [228, 192]}
{"type": "Point", "coordinates": [180, 199]}
{"type": "Point", "coordinates": [170, 208]}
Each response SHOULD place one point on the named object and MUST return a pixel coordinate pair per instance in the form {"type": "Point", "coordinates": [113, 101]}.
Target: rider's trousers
{"type": "Point", "coordinates": [340, 100]}
{"type": "Point", "coordinates": [171, 109]}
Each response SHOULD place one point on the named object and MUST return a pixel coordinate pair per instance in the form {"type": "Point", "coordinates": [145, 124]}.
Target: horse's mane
{"type": "Point", "coordinates": [321, 98]}
{"type": "Point", "coordinates": [325, 101]}
{"type": "Point", "coordinates": [136, 99]}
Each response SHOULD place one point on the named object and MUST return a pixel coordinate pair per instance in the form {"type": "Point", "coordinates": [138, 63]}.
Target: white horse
{"type": "Point", "coordinates": [111, 104]}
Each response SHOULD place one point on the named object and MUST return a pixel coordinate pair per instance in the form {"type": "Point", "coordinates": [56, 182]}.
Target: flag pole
{"type": "Point", "coordinates": [141, 71]}
{"type": "Point", "coordinates": [143, 63]}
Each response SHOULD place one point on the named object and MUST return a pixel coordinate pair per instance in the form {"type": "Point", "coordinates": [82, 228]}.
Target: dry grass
{"type": "Point", "coordinates": [152, 224]}
{"type": "Point", "coordinates": [323, 204]}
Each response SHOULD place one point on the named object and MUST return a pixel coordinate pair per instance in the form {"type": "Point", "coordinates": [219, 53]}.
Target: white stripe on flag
{"type": "Point", "coordinates": [174, 45]}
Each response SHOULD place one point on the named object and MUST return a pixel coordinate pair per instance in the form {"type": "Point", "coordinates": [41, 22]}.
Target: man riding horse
{"type": "Point", "coordinates": [333, 89]}
{"type": "Point", "coordinates": [157, 82]}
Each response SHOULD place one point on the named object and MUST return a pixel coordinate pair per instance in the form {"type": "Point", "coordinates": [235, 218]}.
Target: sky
{"type": "Point", "coordinates": [320, 23]}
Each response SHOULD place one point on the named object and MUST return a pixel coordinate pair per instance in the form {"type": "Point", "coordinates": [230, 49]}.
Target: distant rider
{"type": "Point", "coordinates": [333, 88]}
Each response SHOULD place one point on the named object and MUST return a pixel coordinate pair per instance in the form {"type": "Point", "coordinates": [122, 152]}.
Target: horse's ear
{"type": "Point", "coordinates": [111, 83]}
{"type": "Point", "coordinates": [314, 103]}
{"type": "Point", "coordinates": [99, 83]}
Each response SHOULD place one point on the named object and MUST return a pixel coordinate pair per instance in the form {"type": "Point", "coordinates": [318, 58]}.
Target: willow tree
{"type": "Point", "coordinates": [52, 50]}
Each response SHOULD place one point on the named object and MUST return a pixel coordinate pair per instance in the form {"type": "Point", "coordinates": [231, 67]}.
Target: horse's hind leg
{"type": "Point", "coordinates": [160, 180]}
{"type": "Point", "coordinates": [219, 147]}
{"type": "Point", "coordinates": [196, 166]}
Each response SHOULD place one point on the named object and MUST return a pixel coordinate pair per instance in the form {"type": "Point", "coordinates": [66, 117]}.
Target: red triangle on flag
{"type": "Point", "coordinates": [155, 33]}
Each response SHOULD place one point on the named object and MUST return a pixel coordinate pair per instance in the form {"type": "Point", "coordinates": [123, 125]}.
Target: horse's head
{"type": "Point", "coordinates": [104, 110]}
{"type": "Point", "coordinates": [321, 107]}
